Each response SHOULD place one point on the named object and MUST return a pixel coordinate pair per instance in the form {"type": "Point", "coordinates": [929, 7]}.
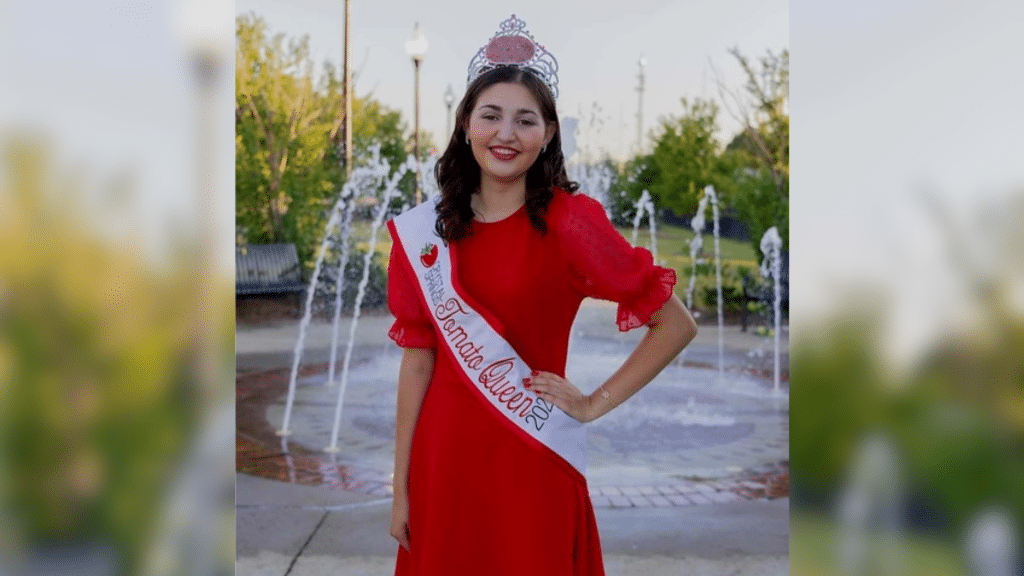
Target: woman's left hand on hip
{"type": "Point", "coordinates": [561, 393]}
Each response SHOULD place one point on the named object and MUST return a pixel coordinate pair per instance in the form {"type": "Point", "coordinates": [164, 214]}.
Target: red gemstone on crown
{"type": "Point", "coordinates": [510, 50]}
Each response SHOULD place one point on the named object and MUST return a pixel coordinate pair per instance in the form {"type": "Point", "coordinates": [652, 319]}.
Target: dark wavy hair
{"type": "Point", "coordinates": [458, 174]}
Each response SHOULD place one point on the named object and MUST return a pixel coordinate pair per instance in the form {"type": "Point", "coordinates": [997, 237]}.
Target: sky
{"type": "Point", "coordinates": [597, 44]}
{"type": "Point", "coordinates": [108, 87]}
{"type": "Point", "coordinates": [906, 132]}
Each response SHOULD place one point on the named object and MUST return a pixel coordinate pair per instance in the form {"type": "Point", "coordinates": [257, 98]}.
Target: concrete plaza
{"type": "Point", "coordinates": [688, 477]}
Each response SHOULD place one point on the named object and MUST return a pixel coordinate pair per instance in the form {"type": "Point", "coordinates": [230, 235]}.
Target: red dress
{"type": "Point", "coordinates": [485, 498]}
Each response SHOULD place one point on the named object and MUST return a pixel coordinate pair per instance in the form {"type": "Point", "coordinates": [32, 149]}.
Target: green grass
{"type": "Point", "coordinates": [674, 252]}
{"type": "Point", "coordinates": [674, 246]}
{"type": "Point", "coordinates": [814, 550]}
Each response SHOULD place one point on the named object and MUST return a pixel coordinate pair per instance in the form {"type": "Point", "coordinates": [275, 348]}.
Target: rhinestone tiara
{"type": "Point", "coordinates": [512, 45]}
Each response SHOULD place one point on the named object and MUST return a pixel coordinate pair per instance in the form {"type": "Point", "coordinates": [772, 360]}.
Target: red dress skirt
{"type": "Point", "coordinates": [484, 497]}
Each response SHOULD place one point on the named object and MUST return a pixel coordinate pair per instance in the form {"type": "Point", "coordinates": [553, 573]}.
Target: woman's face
{"type": "Point", "coordinates": [506, 131]}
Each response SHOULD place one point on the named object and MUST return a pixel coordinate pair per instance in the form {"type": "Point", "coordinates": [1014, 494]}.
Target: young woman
{"type": "Point", "coordinates": [484, 284]}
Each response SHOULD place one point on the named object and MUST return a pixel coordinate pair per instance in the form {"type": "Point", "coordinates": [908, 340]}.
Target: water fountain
{"type": "Point", "coordinates": [661, 433]}
{"type": "Point", "coordinates": [871, 502]}
{"type": "Point", "coordinates": [344, 235]}
{"type": "Point", "coordinates": [696, 243]}
{"type": "Point", "coordinates": [367, 178]}
{"type": "Point", "coordinates": [389, 191]}
{"type": "Point", "coordinates": [771, 265]}
{"type": "Point", "coordinates": [992, 542]}
{"type": "Point", "coordinates": [594, 180]}
{"type": "Point", "coordinates": [646, 204]}
{"type": "Point", "coordinates": [687, 404]}
{"type": "Point", "coordinates": [332, 222]}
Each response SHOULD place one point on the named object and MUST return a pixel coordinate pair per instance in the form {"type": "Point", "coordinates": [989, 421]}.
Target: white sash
{"type": "Point", "coordinates": [486, 360]}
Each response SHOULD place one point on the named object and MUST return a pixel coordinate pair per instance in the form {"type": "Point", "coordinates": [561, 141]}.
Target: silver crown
{"type": "Point", "coordinates": [512, 45]}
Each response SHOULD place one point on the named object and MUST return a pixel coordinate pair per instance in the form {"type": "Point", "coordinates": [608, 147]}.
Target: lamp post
{"type": "Point", "coordinates": [347, 57]}
{"type": "Point", "coordinates": [416, 47]}
{"type": "Point", "coordinates": [449, 99]}
{"type": "Point", "coordinates": [640, 106]}
{"type": "Point", "coordinates": [206, 30]}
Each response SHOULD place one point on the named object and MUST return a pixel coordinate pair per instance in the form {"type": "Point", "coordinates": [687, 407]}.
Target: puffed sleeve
{"type": "Point", "coordinates": [604, 265]}
{"type": "Point", "coordinates": [412, 327]}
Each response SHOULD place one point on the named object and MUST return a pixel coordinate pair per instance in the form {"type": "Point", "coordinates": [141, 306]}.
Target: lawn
{"type": "Point", "coordinates": [674, 246]}
{"type": "Point", "coordinates": [814, 550]}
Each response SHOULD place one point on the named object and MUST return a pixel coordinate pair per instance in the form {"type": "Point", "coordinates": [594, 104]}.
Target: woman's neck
{"type": "Point", "coordinates": [497, 200]}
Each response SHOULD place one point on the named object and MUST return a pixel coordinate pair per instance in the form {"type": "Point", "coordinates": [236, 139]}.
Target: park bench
{"type": "Point", "coordinates": [268, 269]}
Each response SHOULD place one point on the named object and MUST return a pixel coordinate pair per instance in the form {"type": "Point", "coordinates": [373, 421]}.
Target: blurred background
{"type": "Point", "coordinates": [907, 287]}
{"type": "Point", "coordinates": [907, 315]}
{"type": "Point", "coordinates": [116, 327]}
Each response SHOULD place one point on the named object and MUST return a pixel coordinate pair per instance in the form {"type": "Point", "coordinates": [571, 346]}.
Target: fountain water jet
{"type": "Point", "coordinates": [992, 542]}
{"type": "Point", "coordinates": [332, 222]}
{"type": "Point", "coordinates": [696, 243]}
{"type": "Point", "coordinates": [346, 232]}
{"type": "Point", "coordinates": [869, 513]}
{"type": "Point", "coordinates": [595, 180]}
{"type": "Point", "coordinates": [365, 179]}
{"type": "Point", "coordinates": [697, 224]}
{"type": "Point", "coordinates": [771, 265]}
{"type": "Point", "coordinates": [646, 204]}
{"type": "Point", "coordinates": [389, 190]}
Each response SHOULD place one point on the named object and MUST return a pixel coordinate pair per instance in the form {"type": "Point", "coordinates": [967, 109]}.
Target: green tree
{"type": "Point", "coordinates": [765, 114]}
{"type": "Point", "coordinates": [631, 179]}
{"type": "Point", "coordinates": [289, 138]}
{"type": "Point", "coordinates": [285, 136]}
{"type": "Point", "coordinates": [755, 202]}
{"type": "Point", "coordinates": [686, 158]}
{"type": "Point", "coordinates": [372, 123]}
{"type": "Point", "coordinates": [758, 155]}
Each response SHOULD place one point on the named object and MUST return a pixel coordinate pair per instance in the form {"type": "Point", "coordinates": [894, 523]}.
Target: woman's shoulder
{"type": "Point", "coordinates": [566, 207]}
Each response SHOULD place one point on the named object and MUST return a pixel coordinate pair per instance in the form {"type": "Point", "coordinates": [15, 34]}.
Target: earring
{"type": "Point", "coordinates": [543, 148]}
{"type": "Point", "coordinates": [468, 143]}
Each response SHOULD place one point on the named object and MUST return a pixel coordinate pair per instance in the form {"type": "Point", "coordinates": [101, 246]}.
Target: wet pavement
{"type": "Point", "coordinates": [694, 439]}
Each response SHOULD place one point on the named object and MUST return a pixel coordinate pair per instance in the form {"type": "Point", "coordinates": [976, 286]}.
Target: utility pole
{"type": "Point", "coordinates": [449, 99]}
{"type": "Point", "coordinates": [640, 106]}
{"type": "Point", "coordinates": [416, 130]}
{"type": "Point", "coordinates": [416, 47]}
{"type": "Point", "coordinates": [348, 88]}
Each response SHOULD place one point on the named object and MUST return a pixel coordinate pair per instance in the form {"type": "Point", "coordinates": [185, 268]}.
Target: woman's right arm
{"type": "Point", "coordinates": [414, 376]}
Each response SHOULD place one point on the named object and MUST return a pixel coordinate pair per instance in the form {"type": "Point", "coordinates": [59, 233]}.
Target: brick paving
{"type": "Point", "coordinates": [260, 452]}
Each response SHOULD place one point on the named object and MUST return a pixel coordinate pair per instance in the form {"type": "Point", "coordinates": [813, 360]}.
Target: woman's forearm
{"type": "Point", "coordinates": [671, 328]}
{"type": "Point", "coordinates": [414, 376]}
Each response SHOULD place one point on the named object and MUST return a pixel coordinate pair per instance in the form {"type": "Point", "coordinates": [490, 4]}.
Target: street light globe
{"type": "Point", "coordinates": [449, 97]}
{"type": "Point", "coordinates": [416, 47]}
{"type": "Point", "coordinates": [204, 25]}
{"type": "Point", "coordinates": [205, 30]}
{"type": "Point", "coordinates": [643, 61]}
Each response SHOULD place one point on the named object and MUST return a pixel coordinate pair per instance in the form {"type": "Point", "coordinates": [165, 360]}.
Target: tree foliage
{"type": "Point", "coordinates": [750, 174]}
{"type": "Point", "coordinates": [759, 153]}
{"type": "Point", "coordinates": [765, 115]}
{"type": "Point", "coordinates": [687, 157]}
{"type": "Point", "coordinates": [289, 138]}
{"type": "Point", "coordinates": [286, 162]}
{"type": "Point", "coordinates": [631, 179]}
